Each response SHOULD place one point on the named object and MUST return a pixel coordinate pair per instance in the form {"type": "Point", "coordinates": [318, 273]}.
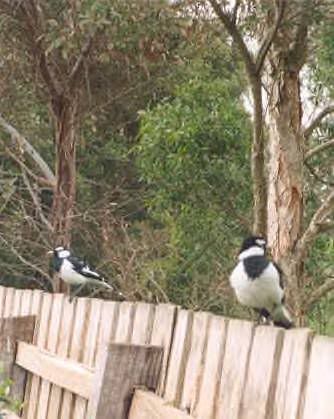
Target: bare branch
{"type": "Point", "coordinates": [316, 176]}
{"type": "Point", "coordinates": [318, 219]}
{"type": "Point", "coordinates": [25, 261]}
{"type": "Point", "coordinates": [30, 150]}
{"type": "Point", "coordinates": [320, 292]}
{"type": "Point", "coordinates": [73, 77]}
{"type": "Point", "coordinates": [232, 29]}
{"type": "Point", "coordinates": [235, 11]}
{"type": "Point", "coordinates": [317, 120]}
{"type": "Point", "coordinates": [319, 148]}
{"type": "Point", "coordinates": [268, 40]}
{"type": "Point", "coordinates": [36, 202]}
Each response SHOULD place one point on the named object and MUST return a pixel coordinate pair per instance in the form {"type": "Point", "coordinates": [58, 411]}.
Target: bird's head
{"type": "Point", "coordinates": [253, 245]}
{"type": "Point", "coordinates": [60, 252]}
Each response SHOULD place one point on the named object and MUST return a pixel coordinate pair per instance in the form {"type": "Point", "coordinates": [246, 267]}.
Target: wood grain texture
{"type": "Point", "coordinates": [76, 349]}
{"type": "Point", "coordinates": [205, 406]}
{"type": "Point", "coordinates": [89, 342]}
{"type": "Point", "coordinates": [147, 405]}
{"type": "Point", "coordinates": [9, 302]}
{"type": "Point", "coordinates": [51, 345]}
{"type": "Point", "coordinates": [125, 322]}
{"type": "Point", "coordinates": [195, 361]}
{"type": "Point", "coordinates": [121, 368]}
{"type": "Point", "coordinates": [319, 402]}
{"type": "Point", "coordinates": [262, 372]}
{"type": "Point", "coordinates": [65, 373]}
{"type": "Point", "coordinates": [178, 357]}
{"type": "Point", "coordinates": [162, 335]}
{"type": "Point", "coordinates": [41, 340]}
{"type": "Point", "coordinates": [64, 339]}
{"type": "Point", "coordinates": [143, 323]}
{"type": "Point", "coordinates": [235, 362]}
{"type": "Point", "coordinates": [291, 373]}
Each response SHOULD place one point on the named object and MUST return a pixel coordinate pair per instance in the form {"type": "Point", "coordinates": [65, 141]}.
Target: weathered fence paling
{"type": "Point", "coordinates": [212, 367]}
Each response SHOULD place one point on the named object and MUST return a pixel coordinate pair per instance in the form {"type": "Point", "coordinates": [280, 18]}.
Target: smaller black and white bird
{"type": "Point", "coordinates": [258, 282]}
{"type": "Point", "coordinates": [76, 272]}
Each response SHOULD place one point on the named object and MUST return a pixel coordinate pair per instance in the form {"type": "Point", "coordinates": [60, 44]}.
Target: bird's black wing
{"type": "Point", "coordinates": [83, 268]}
{"type": "Point", "coordinates": [255, 265]}
{"type": "Point", "coordinates": [77, 263]}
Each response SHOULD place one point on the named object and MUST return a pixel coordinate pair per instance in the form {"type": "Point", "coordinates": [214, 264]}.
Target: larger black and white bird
{"type": "Point", "coordinates": [258, 282]}
{"type": "Point", "coordinates": [74, 271]}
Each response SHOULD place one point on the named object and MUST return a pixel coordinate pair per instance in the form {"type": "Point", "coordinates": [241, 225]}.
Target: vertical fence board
{"type": "Point", "coordinates": [206, 404]}
{"type": "Point", "coordinates": [2, 300]}
{"type": "Point", "coordinates": [41, 339]}
{"type": "Point", "coordinates": [237, 349]}
{"type": "Point", "coordinates": [26, 302]}
{"type": "Point", "coordinates": [178, 357]}
{"type": "Point", "coordinates": [262, 372]}
{"type": "Point", "coordinates": [9, 302]}
{"type": "Point", "coordinates": [108, 324]}
{"type": "Point", "coordinates": [76, 348]}
{"type": "Point", "coordinates": [291, 373]}
{"type": "Point", "coordinates": [16, 308]}
{"type": "Point", "coordinates": [121, 368]}
{"type": "Point", "coordinates": [195, 361]}
{"type": "Point", "coordinates": [51, 346]}
{"type": "Point", "coordinates": [162, 333]}
{"type": "Point", "coordinates": [125, 322]}
{"type": "Point", "coordinates": [143, 324]}
{"type": "Point", "coordinates": [80, 405]}
{"type": "Point", "coordinates": [65, 333]}
{"type": "Point", "coordinates": [35, 309]}
{"type": "Point", "coordinates": [319, 403]}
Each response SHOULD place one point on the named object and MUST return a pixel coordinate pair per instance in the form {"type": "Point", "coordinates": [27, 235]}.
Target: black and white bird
{"type": "Point", "coordinates": [258, 282]}
{"type": "Point", "coordinates": [76, 272]}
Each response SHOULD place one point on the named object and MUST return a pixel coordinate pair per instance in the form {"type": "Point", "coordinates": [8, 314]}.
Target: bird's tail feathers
{"type": "Point", "coordinates": [281, 317]}
{"type": "Point", "coordinates": [100, 282]}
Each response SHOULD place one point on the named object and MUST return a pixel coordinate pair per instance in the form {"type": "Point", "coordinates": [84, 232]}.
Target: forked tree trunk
{"type": "Point", "coordinates": [64, 192]}
{"type": "Point", "coordinates": [286, 150]}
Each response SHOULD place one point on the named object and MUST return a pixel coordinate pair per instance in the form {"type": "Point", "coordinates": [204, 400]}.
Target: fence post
{"type": "Point", "coordinates": [13, 329]}
{"type": "Point", "coordinates": [120, 368]}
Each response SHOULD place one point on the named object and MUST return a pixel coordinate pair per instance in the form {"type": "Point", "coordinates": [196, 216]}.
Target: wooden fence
{"type": "Point", "coordinates": [213, 367]}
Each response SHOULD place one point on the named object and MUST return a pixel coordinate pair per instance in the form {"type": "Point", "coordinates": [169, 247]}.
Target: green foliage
{"type": "Point", "coordinates": [193, 154]}
{"type": "Point", "coordinates": [6, 401]}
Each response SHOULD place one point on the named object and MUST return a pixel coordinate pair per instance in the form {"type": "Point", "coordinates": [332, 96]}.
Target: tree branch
{"type": "Point", "coordinates": [232, 29]}
{"type": "Point", "coordinates": [25, 261]}
{"type": "Point", "coordinates": [77, 67]}
{"type": "Point", "coordinates": [30, 150]}
{"type": "Point", "coordinates": [318, 293]}
{"type": "Point", "coordinates": [36, 202]}
{"type": "Point", "coordinates": [316, 176]}
{"type": "Point", "coordinates": [267, 42]}
{"type": "Point", "coordinates": [318, 219]}
{"type": "Point", "coordinates": [319, 148]}
{"type": "Point", "coordinates": [317, 121]}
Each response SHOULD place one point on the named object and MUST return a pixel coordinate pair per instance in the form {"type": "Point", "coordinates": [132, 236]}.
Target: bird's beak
{"type": "Point", "coordinates": [50, 252]}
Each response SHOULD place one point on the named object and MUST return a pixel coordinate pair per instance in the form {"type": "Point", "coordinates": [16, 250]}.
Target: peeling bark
{"type": "Point", "coordinates": [64, 192]}
{"type": "Point", "coordinates": [286, 150]}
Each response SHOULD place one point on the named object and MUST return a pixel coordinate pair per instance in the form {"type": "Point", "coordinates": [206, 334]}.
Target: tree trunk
{"type": "Point", "coordinates": [64, 192]}
{"type": "Point", "coordinates": [286, 151]}
{"type": "Point", "coordinates": [257, 161]}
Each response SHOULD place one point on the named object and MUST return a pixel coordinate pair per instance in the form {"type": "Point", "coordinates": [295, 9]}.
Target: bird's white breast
{"type": "Point", "coordinates": [69, 275]}
{"type": "Point", "coordinates": [262, 292]}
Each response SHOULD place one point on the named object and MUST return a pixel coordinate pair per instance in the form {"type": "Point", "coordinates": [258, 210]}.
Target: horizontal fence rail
{"type": "Point", "coordinates": [212, 367]}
